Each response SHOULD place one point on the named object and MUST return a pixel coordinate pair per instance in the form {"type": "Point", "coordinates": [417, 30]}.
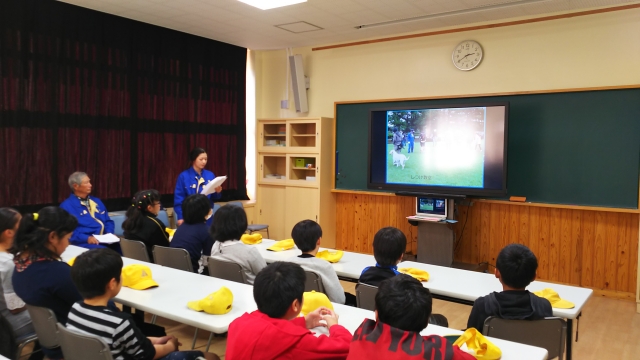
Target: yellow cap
{"type": "Point", "coordinates": [71, 261]}
{"type": "Point", "coordinates": [477, 345]}
{"type": "Point", "coordinates": [282, 245]}
{"type": "Point", "coordinates": [418, 274]}
{"type": "Point", "coordinates": [170, 231]}
{"type": "Point", "coordinates": [330, 256]}
{"type": "Point", "coordinates": [251, 239]}
{"type": "Point", "coordinates": [138, 277]}
{"type": "Point", "coordinates": [311, 300]}
{"type": "Point", "coordinates": [216, 303]}
{"type": "Point", "coordinates": [554, 299]}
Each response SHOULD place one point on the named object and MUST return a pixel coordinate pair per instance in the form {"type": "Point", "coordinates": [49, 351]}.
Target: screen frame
{"type": "Point", "coordinates": [442, 191]}
{"type": "Point", "coordinates": [446, 206]}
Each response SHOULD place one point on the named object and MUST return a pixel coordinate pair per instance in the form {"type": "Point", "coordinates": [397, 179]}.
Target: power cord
{"type": "Point", "coordinates": [455, 250]}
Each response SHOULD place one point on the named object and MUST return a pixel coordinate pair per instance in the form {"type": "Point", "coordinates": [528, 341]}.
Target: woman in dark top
{"type": "Point", "coordinates": [40, 277]}
{"type": "Point", "coordinates": [142, 224]}
{"type": "Point", "coordinates": [193, 235]}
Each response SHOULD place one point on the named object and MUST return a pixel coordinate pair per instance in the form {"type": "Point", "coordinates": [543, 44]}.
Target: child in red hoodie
{"type": "Point", "coordinates": [403, 307]}
{"type": "Point", "coordinates": [275, 331]}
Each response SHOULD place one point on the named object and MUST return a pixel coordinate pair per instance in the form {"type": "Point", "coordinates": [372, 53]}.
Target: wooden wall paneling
{"type": "Point", "coordinates": [588, 248]}
{"type": "Point", "coordinates": [359, 222]}
{"type": "Point", "coordinates": [564, 249]}
{"type": "Point", "coordinates": [368, 208]}
{"type": "Point", "coordinates": [514, 224]}
{"type": "Point", "coordinates": [611, 250]}
{"type": "Point", "coordinates": [555, 229]}
{"type": "Point", "coordinates": [623, 250]}
{"type": "Point", "coordinates": [494, 232]}
{"type": "Point", "coordinates": [475, 232]}
{"type": "Point", "coordinates": [460, 231]}
{"type": "Point", "coordinates": [543, 244]}
{"type": "Point", "coordinates": [346, 207]}
{"type": "Point", "coordinates": [523, 222]}
{"type": "Point", "coordinates": [633, 253]}
{"type": "Point", "coordinates": [599, 249]}
{"type": "Point", "coordinates": [505, 239]}
{"type": "Point", "coordinates": [576, 246]}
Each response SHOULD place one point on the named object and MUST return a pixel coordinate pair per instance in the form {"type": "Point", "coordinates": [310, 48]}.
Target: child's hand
{"type": "Point", "coordinates": [330, 317]}
{"type": "Point", "coordinates": [174, 341]}
{"type": "Point", "coordinates": [313, 318]}
{"type": "Point", "coordinates": [159, 340]}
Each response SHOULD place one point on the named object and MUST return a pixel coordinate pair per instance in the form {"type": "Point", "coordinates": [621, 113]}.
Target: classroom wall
{"type": "Point", "coordinates": [591, 51]}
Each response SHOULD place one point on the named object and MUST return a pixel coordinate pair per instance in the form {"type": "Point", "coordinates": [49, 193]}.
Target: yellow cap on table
{"type": "Point", "coordinates": [330, 256]}
{"type": "Point", "coordinates": [477, 345]}
{"type": "Point", "coordinates": [251, 239]}
{"type": "Point", "coordinates": [311, 300]}
{"type": "Point", "coordinates": [282, 245]}
{"type": "Point", "coordinates": [138, 277]}
{"type": "Point", "coordinates": [554, 299]}
{"type": "Point", "coordinates": [217, 303]}
{"type": "Point", "coordinates": [418, 274]}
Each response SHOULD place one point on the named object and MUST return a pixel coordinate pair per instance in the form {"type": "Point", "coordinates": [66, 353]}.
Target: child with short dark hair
{"type": "Point", "coordinates": [516, 268]}
{"type": "Point", "coordinates": [96, 274]}
{"type": "Point", "coordinates": [403, 307]}
{"type": "Point", "coordinates": [275, 331]}
{"type": "Point", "coordinates": [229, 223]}
{"type": "Point", "coordinates": [389, 245]}
{"type": "Point", "coordinates": [307, 235]}
{"type": "Point", "coordinates": [193, 235]}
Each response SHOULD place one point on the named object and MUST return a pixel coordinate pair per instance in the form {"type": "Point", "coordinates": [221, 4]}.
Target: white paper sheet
{"type": "Point", "coordinates": [107, 238]}
{"type": "Point", "coordinates": [210, 188]}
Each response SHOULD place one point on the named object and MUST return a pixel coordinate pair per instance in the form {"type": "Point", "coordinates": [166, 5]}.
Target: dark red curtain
{"type": "Point", "coordinates": [121, 100]}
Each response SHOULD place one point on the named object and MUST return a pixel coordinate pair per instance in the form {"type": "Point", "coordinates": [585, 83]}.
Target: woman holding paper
{"type": "Point", "coordinates": [192, 181]}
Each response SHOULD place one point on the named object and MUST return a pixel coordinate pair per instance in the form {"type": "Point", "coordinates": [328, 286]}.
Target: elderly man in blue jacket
{"type": "Point", "coordinates": [93, 217]}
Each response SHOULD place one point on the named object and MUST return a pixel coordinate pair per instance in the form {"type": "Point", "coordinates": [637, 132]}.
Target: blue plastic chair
{"type": "Point", "coordinates": [162, 216]}
{"type": "Point", "coordinates": [118, 220]}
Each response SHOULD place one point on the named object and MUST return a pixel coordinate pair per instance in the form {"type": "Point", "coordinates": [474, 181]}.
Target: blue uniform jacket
{"type": "Point", "coordinates": [189, 183]}
{"type": "Point", "coordinates": [92, 220]}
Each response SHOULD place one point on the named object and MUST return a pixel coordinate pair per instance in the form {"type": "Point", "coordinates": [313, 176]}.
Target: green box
{"type": "Point", "coordinates": [300, 162]}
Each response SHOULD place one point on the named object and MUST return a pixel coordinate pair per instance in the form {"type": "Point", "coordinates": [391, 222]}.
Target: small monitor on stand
{"type": "Point", "coordinates": [431, 209]}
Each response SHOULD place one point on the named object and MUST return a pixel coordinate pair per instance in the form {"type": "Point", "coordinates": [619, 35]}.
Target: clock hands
{"type": "Point", "coordinates": [465, 57]}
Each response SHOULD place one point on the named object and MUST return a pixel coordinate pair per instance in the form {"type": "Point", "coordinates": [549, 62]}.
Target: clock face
{"type": "Point", "coordinates": [467, 55]}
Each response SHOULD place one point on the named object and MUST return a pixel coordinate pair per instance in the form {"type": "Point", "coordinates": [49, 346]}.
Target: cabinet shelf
{"type": "Point", "coordinates": [303, 168]}
{"type": "Point", "coordinates": [304, 135]}
{"type": "Point", "coordinates": [276, 135]}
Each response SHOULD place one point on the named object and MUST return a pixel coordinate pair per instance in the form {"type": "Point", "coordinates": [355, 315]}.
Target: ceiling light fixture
{"type": "Point", "coordinates": [271, 4]}
{"type": "Point", "coordinates": [451, 13]}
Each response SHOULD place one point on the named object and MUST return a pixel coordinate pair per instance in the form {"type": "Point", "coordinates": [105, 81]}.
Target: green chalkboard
{"type": "Point", "coordinates": [575, 148]}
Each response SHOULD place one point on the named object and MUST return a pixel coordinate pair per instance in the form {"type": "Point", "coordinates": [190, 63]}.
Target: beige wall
{"type": "Point", "coordinates": [589, 51]}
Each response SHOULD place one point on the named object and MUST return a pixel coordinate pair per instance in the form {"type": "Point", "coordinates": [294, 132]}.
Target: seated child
{"type": "Point", "coordinates": [96, 274]}
{"type": "Point", "coordinates": [389, 244]}
{"type": "Point", "coordinates": [142, 223]}
{"type": "Point", "coordinates": [193, 235]}
{"type": "Point", "coordinates": [275, 331]}
{"type": "Point", "coordinates": [516, 268]}
{"type": "Point", "coordinates": [403, 307]}
{"type": "Point", "coordinates": [229, 223]}
{"type": "Point", "coordinates": [307, 235]}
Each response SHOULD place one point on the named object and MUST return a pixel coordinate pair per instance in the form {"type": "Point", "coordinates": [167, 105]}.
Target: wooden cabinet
{"type": "Point", "coordinates": [294, 175]}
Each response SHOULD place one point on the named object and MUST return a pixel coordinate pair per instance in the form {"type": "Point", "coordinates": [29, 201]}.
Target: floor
{"type": "Point", "coordinates": [608, 329]}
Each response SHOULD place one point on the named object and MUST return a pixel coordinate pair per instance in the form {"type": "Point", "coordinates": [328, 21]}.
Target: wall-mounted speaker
{"type": "Point", "coordinates": [299, 83]}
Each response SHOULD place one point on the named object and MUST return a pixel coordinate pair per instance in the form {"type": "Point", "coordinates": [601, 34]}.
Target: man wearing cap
{"type": "Point", "coordinates": [516, 268]}
{"type": "Point", "coordinates": [92, 215]}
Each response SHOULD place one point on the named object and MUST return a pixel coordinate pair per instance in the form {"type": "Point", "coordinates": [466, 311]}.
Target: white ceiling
{"type": "Point", "coordinates": [236, 23]}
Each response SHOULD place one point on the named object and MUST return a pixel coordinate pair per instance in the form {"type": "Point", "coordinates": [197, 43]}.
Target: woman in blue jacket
{"type": "Point", "coordinates": [192, 181]}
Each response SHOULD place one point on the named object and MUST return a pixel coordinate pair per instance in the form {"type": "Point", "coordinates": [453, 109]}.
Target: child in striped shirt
{"type": "Point", "coordinates": [96, 274]}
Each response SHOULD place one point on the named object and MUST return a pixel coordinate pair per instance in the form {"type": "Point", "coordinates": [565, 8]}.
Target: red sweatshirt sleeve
{"type": "Point", "coordinates": [461, 355]}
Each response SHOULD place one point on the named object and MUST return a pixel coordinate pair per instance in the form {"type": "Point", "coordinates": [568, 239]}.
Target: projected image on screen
{"type": "Point", "coordinates": [439, 147]}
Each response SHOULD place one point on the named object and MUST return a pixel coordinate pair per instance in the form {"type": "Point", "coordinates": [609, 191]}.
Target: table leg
{"type": "Point", "coordinates": [569, 338]}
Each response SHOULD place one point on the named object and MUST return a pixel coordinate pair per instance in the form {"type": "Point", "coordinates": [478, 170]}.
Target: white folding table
{"type": "Point", "coordinates": [348, 268]}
